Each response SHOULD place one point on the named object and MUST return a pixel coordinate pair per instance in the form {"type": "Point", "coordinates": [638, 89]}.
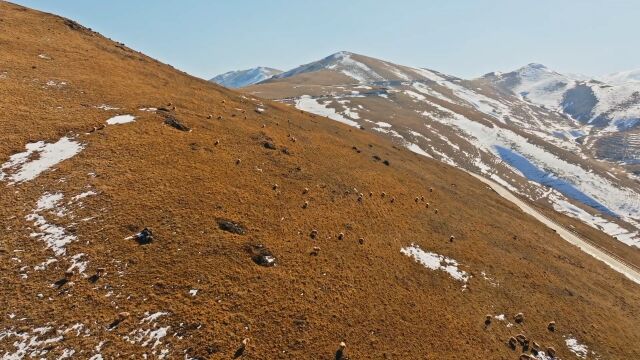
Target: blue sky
{"type": "Point", "coordinates": [466, 38]}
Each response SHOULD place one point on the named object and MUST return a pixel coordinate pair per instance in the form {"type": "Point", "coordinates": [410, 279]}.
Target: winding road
{"type": "Point", "coordinates": [588, 247]}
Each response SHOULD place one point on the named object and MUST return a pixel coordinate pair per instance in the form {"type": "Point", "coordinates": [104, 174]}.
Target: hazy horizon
{"type": "Point", "coordinates": [465, 39]}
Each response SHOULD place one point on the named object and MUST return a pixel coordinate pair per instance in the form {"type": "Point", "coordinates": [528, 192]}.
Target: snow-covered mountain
{"type": "Point", "coordinates": [533, 130]}
{"type": "Point", "coordinates": [613, 102]}
{"type": "Point", "coordinates": [241, 78]}
{"type": "Point", "coordinates": [609, 108]}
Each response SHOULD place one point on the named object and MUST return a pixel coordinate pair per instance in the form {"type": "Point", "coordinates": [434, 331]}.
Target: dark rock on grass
{"type": "Point", "coordinates": [144, 237]}
{"type": "Point", "coordinates": [60, 283]}
{"type": "Point", "coordinates": [269, 145]}
{"type": "Point", "coordinates": [261, 255]}
{"type": "Point", "coordinates": [175, 123]}
{"type": "Point", "coordinates": [231, 227]}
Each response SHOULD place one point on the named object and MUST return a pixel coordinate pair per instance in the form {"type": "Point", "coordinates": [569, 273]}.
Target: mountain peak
{"type": "Point", "coordinates": [242, 78]}
{"type": "Point", "coordinates": [536, 66]}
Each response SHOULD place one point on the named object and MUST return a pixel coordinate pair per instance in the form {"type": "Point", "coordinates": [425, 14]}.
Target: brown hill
{"type": "Point", "coordinates": [196, 290]}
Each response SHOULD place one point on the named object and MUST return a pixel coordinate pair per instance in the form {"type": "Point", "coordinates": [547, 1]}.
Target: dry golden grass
{"type": "Point", "coordinates": [380, 302]}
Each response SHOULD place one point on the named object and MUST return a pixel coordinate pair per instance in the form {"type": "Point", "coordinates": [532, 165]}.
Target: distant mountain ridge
{"type": "Point", "coordinates": [242, 78]}
{"type": "Point", "coordinates": [565, 140]}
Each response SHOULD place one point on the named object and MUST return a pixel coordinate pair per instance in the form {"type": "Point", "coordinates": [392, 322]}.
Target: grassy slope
{"type": "Point", "coordinates": [370, 295]}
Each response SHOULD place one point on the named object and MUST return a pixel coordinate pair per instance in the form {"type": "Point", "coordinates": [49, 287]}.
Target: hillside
{"type": "Point", "coordinates": [246, 200]}
{"type": "Point", "coordinates": [535, 151]}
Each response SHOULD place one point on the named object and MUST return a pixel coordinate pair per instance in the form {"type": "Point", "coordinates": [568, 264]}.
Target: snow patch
{"type": "Point", "coordinates": [309, 104]}
{"type": "Point", "coordinates": [121, 119]}
{"type": "Point", "coordinates": [435, 261]}
{"type": "Point", "coordinates": [25, 166]}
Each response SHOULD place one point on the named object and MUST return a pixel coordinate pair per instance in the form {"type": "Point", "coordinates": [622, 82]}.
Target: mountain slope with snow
{"type": "Point", "coordinates": [508, 127]}
{"type": "Point", "coordinates": [241, 78]}
{"type": "Point", "coordinates": [150, 214]}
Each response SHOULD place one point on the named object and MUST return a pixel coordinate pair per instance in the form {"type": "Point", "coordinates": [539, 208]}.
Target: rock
{"type": "Point", "coordinates": [269, 145]}
{"type": "Point", "coordinates": [231, 227]}
{"type": "Point", "coordinates": [386, 162]}
{"type": "Point", "coordinates": [361, 241]}
{"type": "Point", "coordinates": [551, 326]}
{"type": "Point", "coordinates": [261, 255]}
{"type": "Point", "coordinates": [176, 124]}
{"type": "Point", "coordinates": [340, 236]}
{"type": "Point", "coordinates": [513, 343]}
{"type": "Point", "coordinates": [144, 237]}
{"type": "Point", "coordinates": [487, 320]}
{"type": "Point", "coordinates": [313, 234]}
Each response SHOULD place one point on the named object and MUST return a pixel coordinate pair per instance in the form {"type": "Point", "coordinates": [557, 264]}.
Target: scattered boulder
{"type": "Point", "coordinates": [144, 237]}
{"type": "Point", "coordinates": [176, 124]}
{"type": "Point", "coordinates": [305, 205]}
{"type": "Point", "coordinates": [451, 238]}
{"type": "Point", "coordinates": [313, 234]}
{"type": "Point", "coordinates": [361, 241]}
{"type": "Point", "coordinates": [269, 145]}
{"type": "Point", "coordinates": [261, 255]}
{"type": "Point", "coordinates": [386, 162]}
{"type": "Point", "coordinates": [230, 226]}
{"type": "Point", "coordinates": [487, 320]}
{"type": "Point", "coordinates": [315, 251]}
{"type": "Point", "coordinates": [513, 343]}
{"type": "Point", "coordinates": [341, 236]}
